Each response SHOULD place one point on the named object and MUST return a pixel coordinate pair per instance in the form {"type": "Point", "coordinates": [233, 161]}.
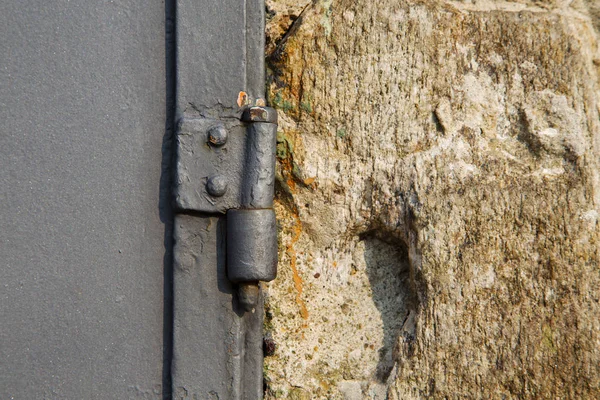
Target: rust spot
{"type": "Point", "coordinates": [287, 167]}
{"type": "Point", "coordinates": [242, 99]}
{"type": "Point", "coordinates": [258, 114]}
{"type": "Point", "coordinates": [309, 181]}
{"type": "Point", "coordinates": [292, 185]}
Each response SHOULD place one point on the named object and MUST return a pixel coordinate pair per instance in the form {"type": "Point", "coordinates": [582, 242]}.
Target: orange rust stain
{"type": "Point", "coordinates": [242, 99]}
{"type": "Point", "coordinates": [286, 165]}
{"type": "Point", "coordinates": [309, 181]}
{"type": "Point", "coordinates": [291, 252]}
{"type": "Point", "coordinates": [292, 185]}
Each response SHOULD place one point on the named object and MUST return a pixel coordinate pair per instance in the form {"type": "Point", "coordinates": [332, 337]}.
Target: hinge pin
{"type": "Point", "coordinates": [248, 293]}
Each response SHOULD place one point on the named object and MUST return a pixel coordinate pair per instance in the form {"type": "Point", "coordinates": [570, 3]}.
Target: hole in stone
{"type": "Point", "coordinates": [388, 272]}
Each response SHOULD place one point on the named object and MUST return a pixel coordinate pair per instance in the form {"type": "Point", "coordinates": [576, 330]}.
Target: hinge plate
{"type": "Point", "coordinates": [197, 161]}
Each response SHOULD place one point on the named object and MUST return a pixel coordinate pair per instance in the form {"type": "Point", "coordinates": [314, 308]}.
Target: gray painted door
{"type": "Point", "coordinates": [82, 219]}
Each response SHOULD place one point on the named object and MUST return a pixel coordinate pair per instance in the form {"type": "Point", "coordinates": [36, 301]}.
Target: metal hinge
{"type": "Point", "coordinates": [228, 166]}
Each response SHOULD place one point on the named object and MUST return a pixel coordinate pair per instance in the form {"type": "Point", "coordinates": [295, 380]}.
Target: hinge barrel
{"type": "Point", "coordinates": [259, 176]}
{"type": "Point", "coordinates": [252, 229]}
{"type": "Point", "coordinates": [251, 245]}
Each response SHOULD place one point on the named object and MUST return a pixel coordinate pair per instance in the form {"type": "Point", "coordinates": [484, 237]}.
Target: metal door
{"type": "Point", "coordinates": [84, 226]}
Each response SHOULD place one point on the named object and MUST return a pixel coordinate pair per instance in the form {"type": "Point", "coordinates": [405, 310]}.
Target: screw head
{"type": "Point", "coordinates": [217, 136]}
{"type": "Point", "coordinates": [216, 186]}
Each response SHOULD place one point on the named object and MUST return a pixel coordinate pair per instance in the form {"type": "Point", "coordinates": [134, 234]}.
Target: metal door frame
{"type": "Point", "coordinates": [216, 70]}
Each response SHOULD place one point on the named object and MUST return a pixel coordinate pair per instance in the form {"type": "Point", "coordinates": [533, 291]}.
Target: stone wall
{"type": "Point", "coordinates": [438, 196]}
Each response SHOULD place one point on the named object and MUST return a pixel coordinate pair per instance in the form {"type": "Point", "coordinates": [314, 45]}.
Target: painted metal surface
{"type": "Point", "coordinates": [86, 222]}
{"type": "Point", "coordinates": [258, 186]}
{"type": "Point", "coordinates": [225, 160]}
{"type": "Point", "coordinates": [220, 47]}
{"type": "Point", "coordinates": [225, 163]}
{"type": "Point", "coordinates": [251, 245]}
{"type": "Point", "coordinates": [82, 220]}
{"type": "Point", "coordinates": [198, 162]}
{"type": "Point", "coordinates": [217, 348]}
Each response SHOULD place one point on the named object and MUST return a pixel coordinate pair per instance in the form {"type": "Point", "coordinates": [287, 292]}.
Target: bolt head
{"type": "Point", "coordinates": [217, 136]}
{"type": "Point", "coordinates": [216, 186]}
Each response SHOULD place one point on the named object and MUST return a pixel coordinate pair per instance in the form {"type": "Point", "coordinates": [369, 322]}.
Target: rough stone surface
{"type": "Point", "coordinates": [438, 200]}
